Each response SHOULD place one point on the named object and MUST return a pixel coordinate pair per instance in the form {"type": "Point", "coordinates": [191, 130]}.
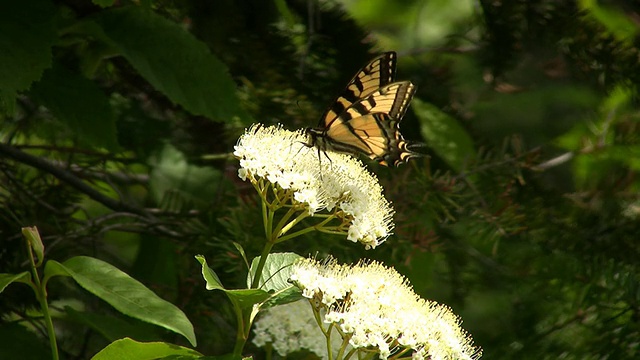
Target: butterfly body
{"type": "Point", "coordinates": [365, 118]}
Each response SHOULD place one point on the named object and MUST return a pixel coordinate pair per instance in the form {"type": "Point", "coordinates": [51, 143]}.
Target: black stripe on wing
{"type": "Point", "coordinates": [376, 74]}
{"type": "Point", "coordinates": [392, 99]}
{"type": "Point", "coordinates": [375, 135]}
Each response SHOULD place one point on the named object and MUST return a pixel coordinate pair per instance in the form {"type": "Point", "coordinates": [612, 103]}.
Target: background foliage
{"type": "Point", "coordinates": [118, 119]}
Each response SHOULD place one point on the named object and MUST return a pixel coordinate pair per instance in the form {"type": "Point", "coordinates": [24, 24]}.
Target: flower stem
{"type": "Point", "coordinates": [288, 227]}
{"type": "Point", "coordinates": [281, 223]}
{"type": "Point", "coordinates": [263, 259]}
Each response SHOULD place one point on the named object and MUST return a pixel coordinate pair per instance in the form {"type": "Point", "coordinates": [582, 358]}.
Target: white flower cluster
{"type": "Point", "coordinates": [377, 308]}
{"type": "Point", "coordinates": [292, 327]}
{"type": "Point", "coordinates": [282, 158]}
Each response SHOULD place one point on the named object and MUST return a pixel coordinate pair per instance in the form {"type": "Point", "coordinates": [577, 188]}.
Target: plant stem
{"type": "Point", "coordinates": [240, 333]}
{"type": "Point", "coordinates": [263, 259]}
{"type": "Point", "coordinates": [41, 294]}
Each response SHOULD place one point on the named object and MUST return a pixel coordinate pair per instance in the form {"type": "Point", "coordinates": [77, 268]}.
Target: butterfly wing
{"type": "Point", "coordinates": [376, 74]}
{"type": "Point", "coordinates": [371, 125]}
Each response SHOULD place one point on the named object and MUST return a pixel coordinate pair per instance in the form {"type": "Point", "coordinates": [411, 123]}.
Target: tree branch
{"type": "Point", "coordinates": [70, 179]}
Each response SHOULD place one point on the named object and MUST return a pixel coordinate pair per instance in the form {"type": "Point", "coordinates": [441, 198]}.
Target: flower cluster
{"type": "Point", "coordinates": [319, 181]}
{"type": "Point", "coordinates": [290, 328]}
{"type": "Point", "coordinates": [376, 308]}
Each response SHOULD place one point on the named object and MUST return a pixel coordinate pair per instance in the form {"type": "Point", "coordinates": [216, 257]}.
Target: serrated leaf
{"type": "Point", "coordinates": [125, 294]}
{"type": "Point", "coordinates": [79, 104]}
{"type": "Point", "coordinates": [129, 349]}
{"type": "Point", "coordinates": [174, 62]}
{"type": "Point", "coordinates": [444, 135]}
{"type": "Point", "coordinates": [7, 103]}
{"type": "Point", "coordinates": [27, 33]}
{"type": "Point", "coordinates": [7, 279]}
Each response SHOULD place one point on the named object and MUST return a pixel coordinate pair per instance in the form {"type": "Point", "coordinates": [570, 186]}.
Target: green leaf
{"type": "Point", "coordinates": [53, 268]}
{"type": "Point", "coordinates": [615, 21]}
{"type": "Point", "coordinates": [27, 33]}
{"type": "Point", "coordinates": [282, 297]}
{"type": "Point", "coordinates": [242, 253]}
{"type": "Point", "coordinates": [129, 349]}
{"type": "Point", "coordinates": [33, 237]}
{"type": "Point", "coordinates": [6, 279]}
{"type": "Point", "coordinates": [174, 62]}
{"type": "Point", "coordinates": [246, 298]}
{"type": "Point", "coordinates": [276, 272]}
{"type": "Point", "coordinates": [619, 97]}
{"type": "Point", "coordinates": [112, 327]}
{"type": "Point", "coordinates": [275, 278]}
{"type": "Point", "coordinates": [444, 135]}
{"type": "Point", "coordinates": [79, 104]}
{"type": "Point", "coordinates": [7, 103]}
{"type": "Point", "coordinates": [243, 298]}
{"type": "Point", "coordinates": [210, 276]}
{"type": "Point", "coordinates": [174, 181]}
{"type": "Point", "coordinates": [126, 294]}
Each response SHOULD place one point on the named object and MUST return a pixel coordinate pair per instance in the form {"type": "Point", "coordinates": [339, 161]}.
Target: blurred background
{"type": "Point", "coordinates": [118, 119]}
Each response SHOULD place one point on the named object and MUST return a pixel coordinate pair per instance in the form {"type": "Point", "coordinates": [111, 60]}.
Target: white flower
{"type": "Point", "coordinates": [377, 308]}
{"type": "Point", "coordinates": [340, 184]}
{"type": "Point", "coordinates": [292, 327]}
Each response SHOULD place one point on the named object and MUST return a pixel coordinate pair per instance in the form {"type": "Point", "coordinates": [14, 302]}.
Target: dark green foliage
{"type": "Point", "coordinates": [525, 218]}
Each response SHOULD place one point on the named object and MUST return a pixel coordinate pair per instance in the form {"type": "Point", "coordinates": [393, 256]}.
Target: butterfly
{"type": "Point", "coordinates": [365, 118]}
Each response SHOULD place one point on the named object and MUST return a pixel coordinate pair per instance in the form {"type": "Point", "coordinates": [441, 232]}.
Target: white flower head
{"type": "Point", "coordinates": [376, 308]}
{"type": "Point", "coordinates": [292, 327]}
{"type": "Point", "coordinates": [319, 181]}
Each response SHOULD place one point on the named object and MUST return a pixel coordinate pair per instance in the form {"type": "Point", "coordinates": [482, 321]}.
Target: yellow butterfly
{"type": "Point", "coordinates": [365, 118]}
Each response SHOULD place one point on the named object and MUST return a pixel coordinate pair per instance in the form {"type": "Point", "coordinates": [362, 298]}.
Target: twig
{"type": "Point", "coordinates": [69, 178]}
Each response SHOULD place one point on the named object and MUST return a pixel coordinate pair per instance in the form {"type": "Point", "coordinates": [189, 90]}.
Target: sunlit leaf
{"type": "Point", "coordinates": [129, 349]}
{"type": "Point", "coordinates": [619, 24]}
{"type": "Point", "coordinates": [243, 298]}
{"type": "Point", "coordinates": [242, 253]}
{"type": "Point", "coordinates": [246, 298]}
{"type": "Point", "coordinates": [276, 272]}
{"type": "Point", "coordinates": [210, 276]}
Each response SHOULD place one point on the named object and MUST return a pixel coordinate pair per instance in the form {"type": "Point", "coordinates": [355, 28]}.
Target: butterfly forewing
{"type": "Point", "coordinates": [377, 73]}
{"type": "Point", "coordinates": [392, 99]}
